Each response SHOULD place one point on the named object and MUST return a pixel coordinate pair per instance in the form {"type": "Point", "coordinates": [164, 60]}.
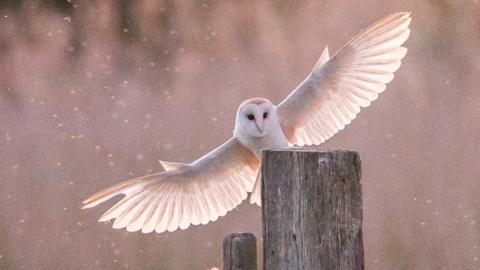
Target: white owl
{"type": "Point", "coordinates": [324, 103]}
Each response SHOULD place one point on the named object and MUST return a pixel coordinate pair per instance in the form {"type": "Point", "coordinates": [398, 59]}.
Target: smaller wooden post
{"type": "Point", "coordinates": [240, 252]}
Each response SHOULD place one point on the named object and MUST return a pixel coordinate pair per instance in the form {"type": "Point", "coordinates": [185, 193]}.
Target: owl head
{"type": "Point", "coordinates": [256, 117]}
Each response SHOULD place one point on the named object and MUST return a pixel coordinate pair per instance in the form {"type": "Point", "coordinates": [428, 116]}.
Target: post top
{"type": "Point", "coordinates": [313, 149]}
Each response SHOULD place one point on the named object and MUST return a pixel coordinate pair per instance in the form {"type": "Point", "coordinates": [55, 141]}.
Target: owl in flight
{"type": "Point", "coordinates": [324, 103]}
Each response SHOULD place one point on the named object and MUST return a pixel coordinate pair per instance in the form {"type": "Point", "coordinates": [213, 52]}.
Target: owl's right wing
{"type": "Point", "coordinates": [194, 193]}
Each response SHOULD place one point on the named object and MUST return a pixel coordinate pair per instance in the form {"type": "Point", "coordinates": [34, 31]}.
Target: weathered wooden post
{"type": "Point", "coordinates": [240, 252]}
{"type": "Point", "coordinates": [312, 210]}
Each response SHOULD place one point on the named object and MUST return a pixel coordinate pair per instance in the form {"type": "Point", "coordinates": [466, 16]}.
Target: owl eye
{"type": "Point", "coordinates": [250, 117]}
{"type": "Point", "coordinates": [265, 115]}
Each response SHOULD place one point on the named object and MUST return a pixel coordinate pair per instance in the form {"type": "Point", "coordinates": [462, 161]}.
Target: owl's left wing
{"type": "Point", "coordinates": [194, 193]}
{"type": "Point", "coordinates": [333, 93]}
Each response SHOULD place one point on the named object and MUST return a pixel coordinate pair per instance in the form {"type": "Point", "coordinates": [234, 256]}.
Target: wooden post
{"type": "Point", "coordinates": [312, 210]}
{"type": "Point", "coordinates": [240, 252]}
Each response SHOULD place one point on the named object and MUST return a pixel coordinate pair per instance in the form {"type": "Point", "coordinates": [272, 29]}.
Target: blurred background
{"type": "Point", "coordinates": [94, 92]}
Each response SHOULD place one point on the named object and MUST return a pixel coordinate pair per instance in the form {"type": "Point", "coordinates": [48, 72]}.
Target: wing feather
{"type": "Point", "coordinates": [145, 214]}
{"type": "Point", "coordinates": [164, 219]}
{"type": "Point", "coordinates": [333, 93]}
{"type": "Point", "coordinates": [185, 195]}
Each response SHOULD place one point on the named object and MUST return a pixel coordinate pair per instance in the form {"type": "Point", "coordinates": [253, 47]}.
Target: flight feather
{"type": "Point", "coordinates": [334, 92]}
{"type": "Point", "coordinates": [194, 193]}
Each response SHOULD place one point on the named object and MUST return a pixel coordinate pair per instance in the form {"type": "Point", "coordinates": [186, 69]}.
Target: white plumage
{"type": "Point", "coordinates": [324, 103]}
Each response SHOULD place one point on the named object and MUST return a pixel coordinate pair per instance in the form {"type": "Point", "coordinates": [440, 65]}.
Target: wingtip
{"type": "Point", "coordinates": [406, 14]}
{"type": "Point", "coordinates": [402, 14]}
{"type": "Point", "coordinates": [87, 203]}
{"type": "Point", "coordinates": [103, 218]}
{"type": "Point", "coordinates": [87, 200]}
{"type": "Point", "coordinates": [90, 202]}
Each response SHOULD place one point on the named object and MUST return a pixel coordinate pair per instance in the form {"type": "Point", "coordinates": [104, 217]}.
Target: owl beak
{"type": "Point", "coordinates": [259, 126]}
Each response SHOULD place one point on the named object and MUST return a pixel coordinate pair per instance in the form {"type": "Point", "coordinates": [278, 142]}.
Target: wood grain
{"type": "Point", "coordinates": [312, 210]}
{"type": "Point", "coordinates": [240, 252]}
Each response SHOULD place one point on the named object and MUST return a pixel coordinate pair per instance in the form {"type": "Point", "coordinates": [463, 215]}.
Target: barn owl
{"type": "Point", "coordinates": [325, 102]}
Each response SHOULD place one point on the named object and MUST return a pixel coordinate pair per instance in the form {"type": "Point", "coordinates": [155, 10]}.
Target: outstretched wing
{"type": "Point", "coordinates": [333, 93]}
{"type": "Point", "coordinates": [195, 193]}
